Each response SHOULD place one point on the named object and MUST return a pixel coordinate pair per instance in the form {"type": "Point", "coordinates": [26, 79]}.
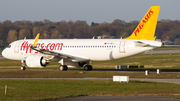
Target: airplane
{"type": "Point", "coordinates": [80, 52]}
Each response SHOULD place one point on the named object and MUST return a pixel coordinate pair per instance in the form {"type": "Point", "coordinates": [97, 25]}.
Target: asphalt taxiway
{"type": "Point", "coordinates": [163, 51]}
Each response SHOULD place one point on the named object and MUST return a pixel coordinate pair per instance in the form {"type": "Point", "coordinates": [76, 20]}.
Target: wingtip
{"type": "Point", "coordinates": [36, 40]}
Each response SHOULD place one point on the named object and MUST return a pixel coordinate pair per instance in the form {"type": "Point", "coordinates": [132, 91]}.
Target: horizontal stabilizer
{"type": "Point", "coordinates": [141, 44]}
{"type": "Point", "coordinates": [146, 43]}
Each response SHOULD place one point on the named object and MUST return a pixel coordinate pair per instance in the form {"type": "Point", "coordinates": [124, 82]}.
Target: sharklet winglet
{"type": "Point", "coordinates": [36, 40]}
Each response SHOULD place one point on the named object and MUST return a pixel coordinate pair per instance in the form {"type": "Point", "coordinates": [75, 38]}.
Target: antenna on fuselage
{"type": "Point", "coordinates": [24, 38]}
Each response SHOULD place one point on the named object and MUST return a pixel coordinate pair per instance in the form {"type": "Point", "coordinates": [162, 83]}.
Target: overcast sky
{"type": "Point", "coordinates": [88, 10]}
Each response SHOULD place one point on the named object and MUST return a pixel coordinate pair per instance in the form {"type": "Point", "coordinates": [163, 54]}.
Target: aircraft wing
{"type": "Point", "coordinates": [47, 52]}
{"type": "Point", "coordinates": [75, 58]}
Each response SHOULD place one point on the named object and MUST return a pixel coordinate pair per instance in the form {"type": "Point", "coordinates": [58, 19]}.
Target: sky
{"type": "Point", "coordinates": [97, 11]}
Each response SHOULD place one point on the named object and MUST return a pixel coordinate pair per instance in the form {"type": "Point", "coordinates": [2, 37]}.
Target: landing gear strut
{"type": "Point", "coordinates": [63, 68]}
{"type": "Point", "coordinates": [87, 67]}
{"type": "Point", "coordinates": [23, 65]}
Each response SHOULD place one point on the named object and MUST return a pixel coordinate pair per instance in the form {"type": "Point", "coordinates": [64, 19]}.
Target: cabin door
{"type": "Point", "coordinates": [122, 47]}
{"type": "Point", "coordinates": [16, 48]}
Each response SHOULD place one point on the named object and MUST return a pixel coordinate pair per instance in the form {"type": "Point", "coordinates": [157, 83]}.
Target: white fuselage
{"type": "Point", "coordinates": [90, 49]}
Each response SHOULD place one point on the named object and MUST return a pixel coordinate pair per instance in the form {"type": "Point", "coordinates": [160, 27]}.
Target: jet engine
{"type": "Point", "coordinates": [36, 61]}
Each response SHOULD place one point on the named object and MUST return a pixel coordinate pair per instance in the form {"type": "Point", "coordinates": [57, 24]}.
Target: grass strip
{"type": "Point", "coordinates": [26, 90]}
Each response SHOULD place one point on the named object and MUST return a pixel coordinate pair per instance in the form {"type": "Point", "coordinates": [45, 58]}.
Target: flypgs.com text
{"type": "Point", "coordinates": [25, 46]}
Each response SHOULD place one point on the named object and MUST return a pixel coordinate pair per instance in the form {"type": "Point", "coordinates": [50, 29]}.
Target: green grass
{"type": "Point", "coordinates": [26, 90]}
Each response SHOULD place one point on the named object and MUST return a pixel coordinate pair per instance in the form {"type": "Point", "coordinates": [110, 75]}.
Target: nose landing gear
{"type": "Point", "coordinates": [23, 65]}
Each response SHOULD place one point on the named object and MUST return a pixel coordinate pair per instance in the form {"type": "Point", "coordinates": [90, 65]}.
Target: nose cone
{"type": "Point", "coordinates": [4, 53]}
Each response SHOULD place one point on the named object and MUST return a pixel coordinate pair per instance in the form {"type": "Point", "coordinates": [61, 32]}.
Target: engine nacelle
{"type": "Point", "coordinates": [36, 61]}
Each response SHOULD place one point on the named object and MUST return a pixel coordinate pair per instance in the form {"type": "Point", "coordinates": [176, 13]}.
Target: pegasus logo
{"type": "Point", "coordinates": [145, 19]}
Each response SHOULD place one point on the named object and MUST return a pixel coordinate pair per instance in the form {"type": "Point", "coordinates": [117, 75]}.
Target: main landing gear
{"type": "Point", "coordinates": [23, 65]}
{"type": "Point", "coordinates": [63, 67]}
{"type": "Point", "coordinates": [87, 67]}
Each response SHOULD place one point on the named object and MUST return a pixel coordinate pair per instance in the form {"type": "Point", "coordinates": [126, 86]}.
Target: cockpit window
{"type": "Point", "coordinates": [9, 46]}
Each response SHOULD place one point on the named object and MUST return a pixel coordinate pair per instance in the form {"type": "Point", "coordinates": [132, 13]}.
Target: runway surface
{"type": "Point", "coordinates": [163, 51]}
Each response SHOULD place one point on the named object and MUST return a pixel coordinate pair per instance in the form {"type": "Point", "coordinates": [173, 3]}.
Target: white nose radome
{"type": "Point", "coordinates": [4, 53]}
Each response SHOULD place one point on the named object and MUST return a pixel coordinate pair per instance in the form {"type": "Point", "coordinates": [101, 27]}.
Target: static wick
{"type": "Point", "coordinates": [5, 89]}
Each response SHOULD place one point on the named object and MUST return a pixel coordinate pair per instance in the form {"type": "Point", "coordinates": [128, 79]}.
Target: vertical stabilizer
{"type": "Point", "coordinates": [146, 28]}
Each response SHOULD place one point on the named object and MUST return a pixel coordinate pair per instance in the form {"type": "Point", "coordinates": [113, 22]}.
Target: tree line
{"type": "Point", "coordinates": [167, 30]}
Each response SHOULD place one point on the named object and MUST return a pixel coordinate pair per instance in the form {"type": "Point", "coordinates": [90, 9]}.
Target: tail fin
{"type": "Point", "coordinates": [147, 26]}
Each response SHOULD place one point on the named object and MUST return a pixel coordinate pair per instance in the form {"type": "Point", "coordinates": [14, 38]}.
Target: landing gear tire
{"type": "Point", "coordinates": [23, 68]}
{"type": "Point", "coordinates": [87, 67]}
{"type": "Point", "coordinates": [23, 65]}
{"type": "Point", "coordinates": [63, 68]}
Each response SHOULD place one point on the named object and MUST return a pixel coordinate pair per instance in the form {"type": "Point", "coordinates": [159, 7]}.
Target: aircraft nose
{"type": "Point", "coordinates": [4, 53]}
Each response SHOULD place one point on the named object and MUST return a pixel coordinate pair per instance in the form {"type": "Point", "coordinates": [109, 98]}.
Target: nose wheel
{"type": "Point", "coordinates": [23, 68]}
{"type": "Point", "coordinates": [23, 65]}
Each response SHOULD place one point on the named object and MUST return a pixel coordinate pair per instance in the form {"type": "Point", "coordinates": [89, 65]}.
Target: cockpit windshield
{"type": "Point", "coordinates": [9, 46]}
